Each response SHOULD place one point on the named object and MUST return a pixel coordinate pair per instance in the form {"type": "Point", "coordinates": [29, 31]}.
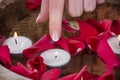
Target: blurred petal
{"type": "Point", "coordinates": [89, 76]}
{"type": "Point", "coordinates": [5, 56]}
{"type": "Point", "coordinates": [52, 74]}
{"type": "Point", "coordinates": [104, 51]}
{"type": "Point", "coordinates": [115, 27]}
{"type": "Point", "coordinates": [96, 24]}
{"type": "Point", "coordinates": [79, 75]}
{"type": "Point", "coordinates": [92, 43]}
{"type": "Point", "coordinates": [75, 46]}
{"type": "Point", "coordinates": [45, 43]}
{"type": "Point", "coordinates": [68, 77]}
{"type": "Point", "coordinates": [86, 30]}
{"type": "Point", "coordinates": [62, 43]}
{"type": "Point", "coordinates": [36, 63]}
{"type": "Point", "coordinates": [42, 44]}
{"type": "Point", "coordinates": [106, 24]}
{"type": "Point", "coordinates": [32, 4]}
{"type": "Point", "coordinates": [82, 75]}
{"type": "Point", "coordinates": [22, 70]}
{"type": "Point", "coordinates": [107, 75]}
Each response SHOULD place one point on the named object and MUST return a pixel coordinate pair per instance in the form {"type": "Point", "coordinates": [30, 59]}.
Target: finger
{"type": "Point", "coordinates": [55, 18]}
{"type": "Point", "coordinates": [89, 5]}
{"type": "Point", "coordinates": [44, 13]}
{"type": "Point", "coordinates": [75, 7]}
{"type": "Point", "coordinates": [100, 1]}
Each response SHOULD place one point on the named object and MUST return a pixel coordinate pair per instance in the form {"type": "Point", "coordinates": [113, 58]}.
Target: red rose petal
{"type": "Point", "coordinates": [106, 54]}
{"type": "Point", "coordinates": [5, 56]}
{"type": "Point", "coordinates": [43, 44]}
{"type": "Point", "coordinates": [89, 76]}
{"type": "Point", "coordinates": [106, 24]}
{"type": "Point", "coordinates": [21, 69]}
{"type": "Point", "coordinates": [69, 77]}
{"type": "Point", "coordinates": [52, 74]}
{"type": "Point", "coordinates": [46, 43]}
{"type": "Point", "coordinates": [82, 74]}
{"type": "Point", "coordinates": [96, 24]}
{"type": "Point", "coordinates": [32, 4]}
{"type": "Point", "coordinates": [86, 30]}
{"type": "Point", "coordinates": [62, 43]}
{"type": "Point", "coordinates": [107, 75]}
{"type": "Point", "coordinates": [79, 75]}
{"type": "Point", "coordinates": [75, 46]}
{"type": "Point", "coordinates": [115, 27]}
{"type": "Point", "coordinates": [92, 43]}
{"type": "Point", "coordinates": [36, 63]}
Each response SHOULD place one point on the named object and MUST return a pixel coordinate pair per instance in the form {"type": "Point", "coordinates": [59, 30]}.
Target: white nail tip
{"type": "Point", "coordinates": [55, 36]}
{"type": "Point", "coordinates": [37, 20]}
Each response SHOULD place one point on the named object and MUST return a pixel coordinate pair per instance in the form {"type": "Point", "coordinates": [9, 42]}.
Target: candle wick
{"type": "Point", "coordinates": [15, 41]}
{"type": "Point", "coordinates": [55, 56]}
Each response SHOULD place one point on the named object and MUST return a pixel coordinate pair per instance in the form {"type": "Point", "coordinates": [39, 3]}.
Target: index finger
{"type": "Point", "coordinates": [55, 18]}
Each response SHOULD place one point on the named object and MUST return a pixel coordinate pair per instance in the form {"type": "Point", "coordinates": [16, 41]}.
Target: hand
{"type": "Point", "coordinates": [53, 9]}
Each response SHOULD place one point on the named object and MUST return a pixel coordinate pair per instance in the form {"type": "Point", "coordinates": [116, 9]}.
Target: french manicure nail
{"type": "Point", "coordinates": [55, 36]}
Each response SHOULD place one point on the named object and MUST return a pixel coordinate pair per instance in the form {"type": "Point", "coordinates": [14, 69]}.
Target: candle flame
{"type": "Point", "coordinates": [15, 35]}
{"type": "Point", "coordinates": [119, 37]}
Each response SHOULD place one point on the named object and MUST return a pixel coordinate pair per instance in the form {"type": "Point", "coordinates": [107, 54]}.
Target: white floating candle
{"type": "Point", "coordinates": [114, 44]}
{"type": "Point", "coordinates": [17, 44]}
{"type": "Point", "coordinates": [56, 57]}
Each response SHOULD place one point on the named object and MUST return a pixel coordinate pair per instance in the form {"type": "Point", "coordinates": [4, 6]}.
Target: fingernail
{"type": "Point", "coordinates": [55, 36]}
{"type": "Point", "coordinates": [100, 1]}
{"type": "Point", "coordinates": [37, 20]}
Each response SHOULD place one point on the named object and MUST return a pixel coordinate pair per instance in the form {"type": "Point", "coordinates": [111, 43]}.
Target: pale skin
{"type": "Point", "coordinates": [53, 9]}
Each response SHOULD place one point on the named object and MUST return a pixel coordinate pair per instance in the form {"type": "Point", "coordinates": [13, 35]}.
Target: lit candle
{"type": "Point", "coordinates": [15, 37]}
{"type": "Point", "coordinates": [17, 44]}
{"type": "Point", "coordinates": [56, 57]}
{"type": "Point", "coordinates": [114, 43]}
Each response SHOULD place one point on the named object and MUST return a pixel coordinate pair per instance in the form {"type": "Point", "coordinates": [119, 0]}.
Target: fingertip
{"type": "Point", "coordinates": [75, 14]}
{"type": "Point", "coordinates": [44, 13]}
{"type": "Point", "coordinates": [75, 8]}
{"type": "Point", "coordinates": [41, 18]}
{"type": "Point", "coordinates": [100, 1]}
{"type": "Point", "coordinates": [55, 35]}
{"type": "Point", "coordinates": [55, 30]}
{"type": "Point", "coordinates": [55, 18]}
{"type": "Point", "coordinates": [89, 5]}
{"type": "Point", "coordinates": [37, 19]}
